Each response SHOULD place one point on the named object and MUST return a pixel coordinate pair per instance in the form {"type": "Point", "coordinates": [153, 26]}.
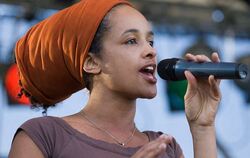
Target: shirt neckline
{"type": "Point", "coordinates": [128, 151]}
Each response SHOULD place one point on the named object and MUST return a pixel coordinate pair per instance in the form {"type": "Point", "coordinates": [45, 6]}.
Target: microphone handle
{"type": "Point", "coordinates": [222, 70]}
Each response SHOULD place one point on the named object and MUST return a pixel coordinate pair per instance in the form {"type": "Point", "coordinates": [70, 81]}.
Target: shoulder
{"type": "Point", "coordinates": [45, 132]}
{"type": "Point", "coordinates": [46, 123]}
{"type": "Point", "coordinates": [39, 121]}
{"type": "Point", "coordinates": [38, 125]}
{"type": "Point", "coordinates": [31, 133]}
{"type": "Point", "coordinates": [46, 128]}
{"type": "Point", "coordinates": [29, 150]}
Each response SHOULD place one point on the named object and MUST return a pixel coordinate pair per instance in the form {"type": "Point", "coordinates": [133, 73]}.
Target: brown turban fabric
{"type": "Point", "coordinates": [51, 55]}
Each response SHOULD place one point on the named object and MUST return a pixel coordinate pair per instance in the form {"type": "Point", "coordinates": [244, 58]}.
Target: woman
{"type": "Point", "coordinates": [107, 47]}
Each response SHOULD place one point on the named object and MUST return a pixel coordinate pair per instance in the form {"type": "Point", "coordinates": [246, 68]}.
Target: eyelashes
{"type": "Point", "coordinates": [134, 42]}
{"type": "Point", "coordinates": [131, 41]}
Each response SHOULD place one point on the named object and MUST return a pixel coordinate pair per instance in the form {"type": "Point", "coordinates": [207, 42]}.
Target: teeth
{"type": "Point", "coordinates": [149, 68]}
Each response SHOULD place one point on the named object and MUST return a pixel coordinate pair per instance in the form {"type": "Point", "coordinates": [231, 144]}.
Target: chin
{"type": "Point", "coordinates": [149, 95]}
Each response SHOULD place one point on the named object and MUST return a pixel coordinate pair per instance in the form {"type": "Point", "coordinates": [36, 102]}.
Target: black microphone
{"type": "Point", "coordinates": [173, 69]}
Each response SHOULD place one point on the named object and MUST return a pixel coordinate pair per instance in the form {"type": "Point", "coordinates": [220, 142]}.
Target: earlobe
{"type": "Point", "coordinates": [91, 65]}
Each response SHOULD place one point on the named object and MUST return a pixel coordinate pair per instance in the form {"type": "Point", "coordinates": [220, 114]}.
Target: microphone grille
{"type": "Point", "coordinates": [166, 69]}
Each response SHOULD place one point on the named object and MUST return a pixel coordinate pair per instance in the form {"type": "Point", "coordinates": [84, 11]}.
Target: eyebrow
{"type": "Point", "coordinates": [136, 31]}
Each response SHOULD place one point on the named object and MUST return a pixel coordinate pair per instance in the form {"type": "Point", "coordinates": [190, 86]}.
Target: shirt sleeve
{"type": "Point", "coordinates": [38, 129]}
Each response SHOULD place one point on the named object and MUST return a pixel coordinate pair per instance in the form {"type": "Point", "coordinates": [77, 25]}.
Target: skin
{"type": "Point", "coordinates": [117, 83]}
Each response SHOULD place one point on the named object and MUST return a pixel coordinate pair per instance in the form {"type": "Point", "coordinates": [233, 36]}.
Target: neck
{"type": "Point", "coordinates": [111, 109]}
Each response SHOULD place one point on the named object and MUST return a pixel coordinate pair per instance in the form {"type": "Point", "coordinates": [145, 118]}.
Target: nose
{"type": "Point", "coordinates": [149, 52]}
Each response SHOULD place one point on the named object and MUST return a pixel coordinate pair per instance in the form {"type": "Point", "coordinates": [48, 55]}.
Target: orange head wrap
{"type": "Point", "coordinates": [50, 56]}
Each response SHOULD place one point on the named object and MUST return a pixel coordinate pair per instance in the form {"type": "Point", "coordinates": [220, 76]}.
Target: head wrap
{"type": "Point", "coordinates": [51, 55]}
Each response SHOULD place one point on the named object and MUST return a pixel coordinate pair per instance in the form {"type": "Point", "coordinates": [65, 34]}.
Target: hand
{"type": "Point", "coordinates": [203, 95]}
{"type": "Point", "coordinates": [154, 148]}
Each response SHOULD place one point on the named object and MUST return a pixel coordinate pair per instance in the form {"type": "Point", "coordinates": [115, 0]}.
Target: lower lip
{"type": "Point", "coordinates": [149, 77]}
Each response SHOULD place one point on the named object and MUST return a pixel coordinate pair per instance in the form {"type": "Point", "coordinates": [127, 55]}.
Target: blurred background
{"type": "Point", "coordinates": [180, 26]}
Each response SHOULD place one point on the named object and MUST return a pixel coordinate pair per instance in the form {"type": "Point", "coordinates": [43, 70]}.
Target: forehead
{"type": "Point", "coordinates": [124, 17]}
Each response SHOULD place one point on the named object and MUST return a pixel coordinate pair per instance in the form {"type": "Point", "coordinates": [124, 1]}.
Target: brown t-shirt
{"type": "Point", "coordinates": [57, 139]}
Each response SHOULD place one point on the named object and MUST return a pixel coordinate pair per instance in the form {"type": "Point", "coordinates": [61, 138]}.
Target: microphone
{"type": "Point", "coordinates": [173, 69]}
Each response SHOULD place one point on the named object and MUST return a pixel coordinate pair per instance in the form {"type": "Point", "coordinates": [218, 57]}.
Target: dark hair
{"type": "Point", "coordinates": [33, 101]}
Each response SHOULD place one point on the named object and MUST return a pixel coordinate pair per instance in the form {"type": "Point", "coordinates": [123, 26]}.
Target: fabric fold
{"type": "Point", "coordinates": [50, 56]}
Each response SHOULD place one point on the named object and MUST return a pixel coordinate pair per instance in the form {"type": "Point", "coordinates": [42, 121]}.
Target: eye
{"type": "Point", "coordinates": [151, 43]}
{"type": "Point", "coordinates": [131, 41]}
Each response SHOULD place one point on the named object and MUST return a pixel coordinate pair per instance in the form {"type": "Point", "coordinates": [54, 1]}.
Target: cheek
{"type": "Point", "coordinates": [126, 81]}
{"type": "Point", "coordinates": [122, 78]}
{"type": "Point", "coordinates": [120, 68]}
{"type": "Point", "coordinates": [116, 74]}
{"type": "Point", "coordinates": [117, 63]}
{"type": "Point", "coordinates": [123, 75]}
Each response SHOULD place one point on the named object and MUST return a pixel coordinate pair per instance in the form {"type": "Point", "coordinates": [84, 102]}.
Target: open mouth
{"type": "Point", "coordinates": [148, 73]}
{"type": "Point", "coordinates": [149, 70]}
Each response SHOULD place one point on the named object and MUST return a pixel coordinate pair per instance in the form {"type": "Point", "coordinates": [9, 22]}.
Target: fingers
{"type": "Point", "coordinates": [203, 58]}
{"type": "Point", "coordinates": [197, 58]}
{"type": "Point", "coordinates": [214, 87]}
{"type": "Point", "coordinates": [157, 147]}
{"type": "Point", "coordinates": [192, 82]}
{"type": "Point", "coordinates": [215, 57]}
{"type": "Point", "coordinates": [154, 148]}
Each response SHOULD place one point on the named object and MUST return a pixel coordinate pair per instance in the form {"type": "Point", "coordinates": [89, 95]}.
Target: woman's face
{"type": "Point", "coordinates": [128, 59]}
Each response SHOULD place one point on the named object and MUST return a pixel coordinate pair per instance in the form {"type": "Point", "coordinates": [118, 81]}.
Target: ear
{"type": "Point", "coordinates": [91, 64]}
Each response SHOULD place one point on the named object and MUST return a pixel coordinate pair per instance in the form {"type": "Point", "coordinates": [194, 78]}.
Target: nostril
{"type": "Point", "coordinates": [149, 55]}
